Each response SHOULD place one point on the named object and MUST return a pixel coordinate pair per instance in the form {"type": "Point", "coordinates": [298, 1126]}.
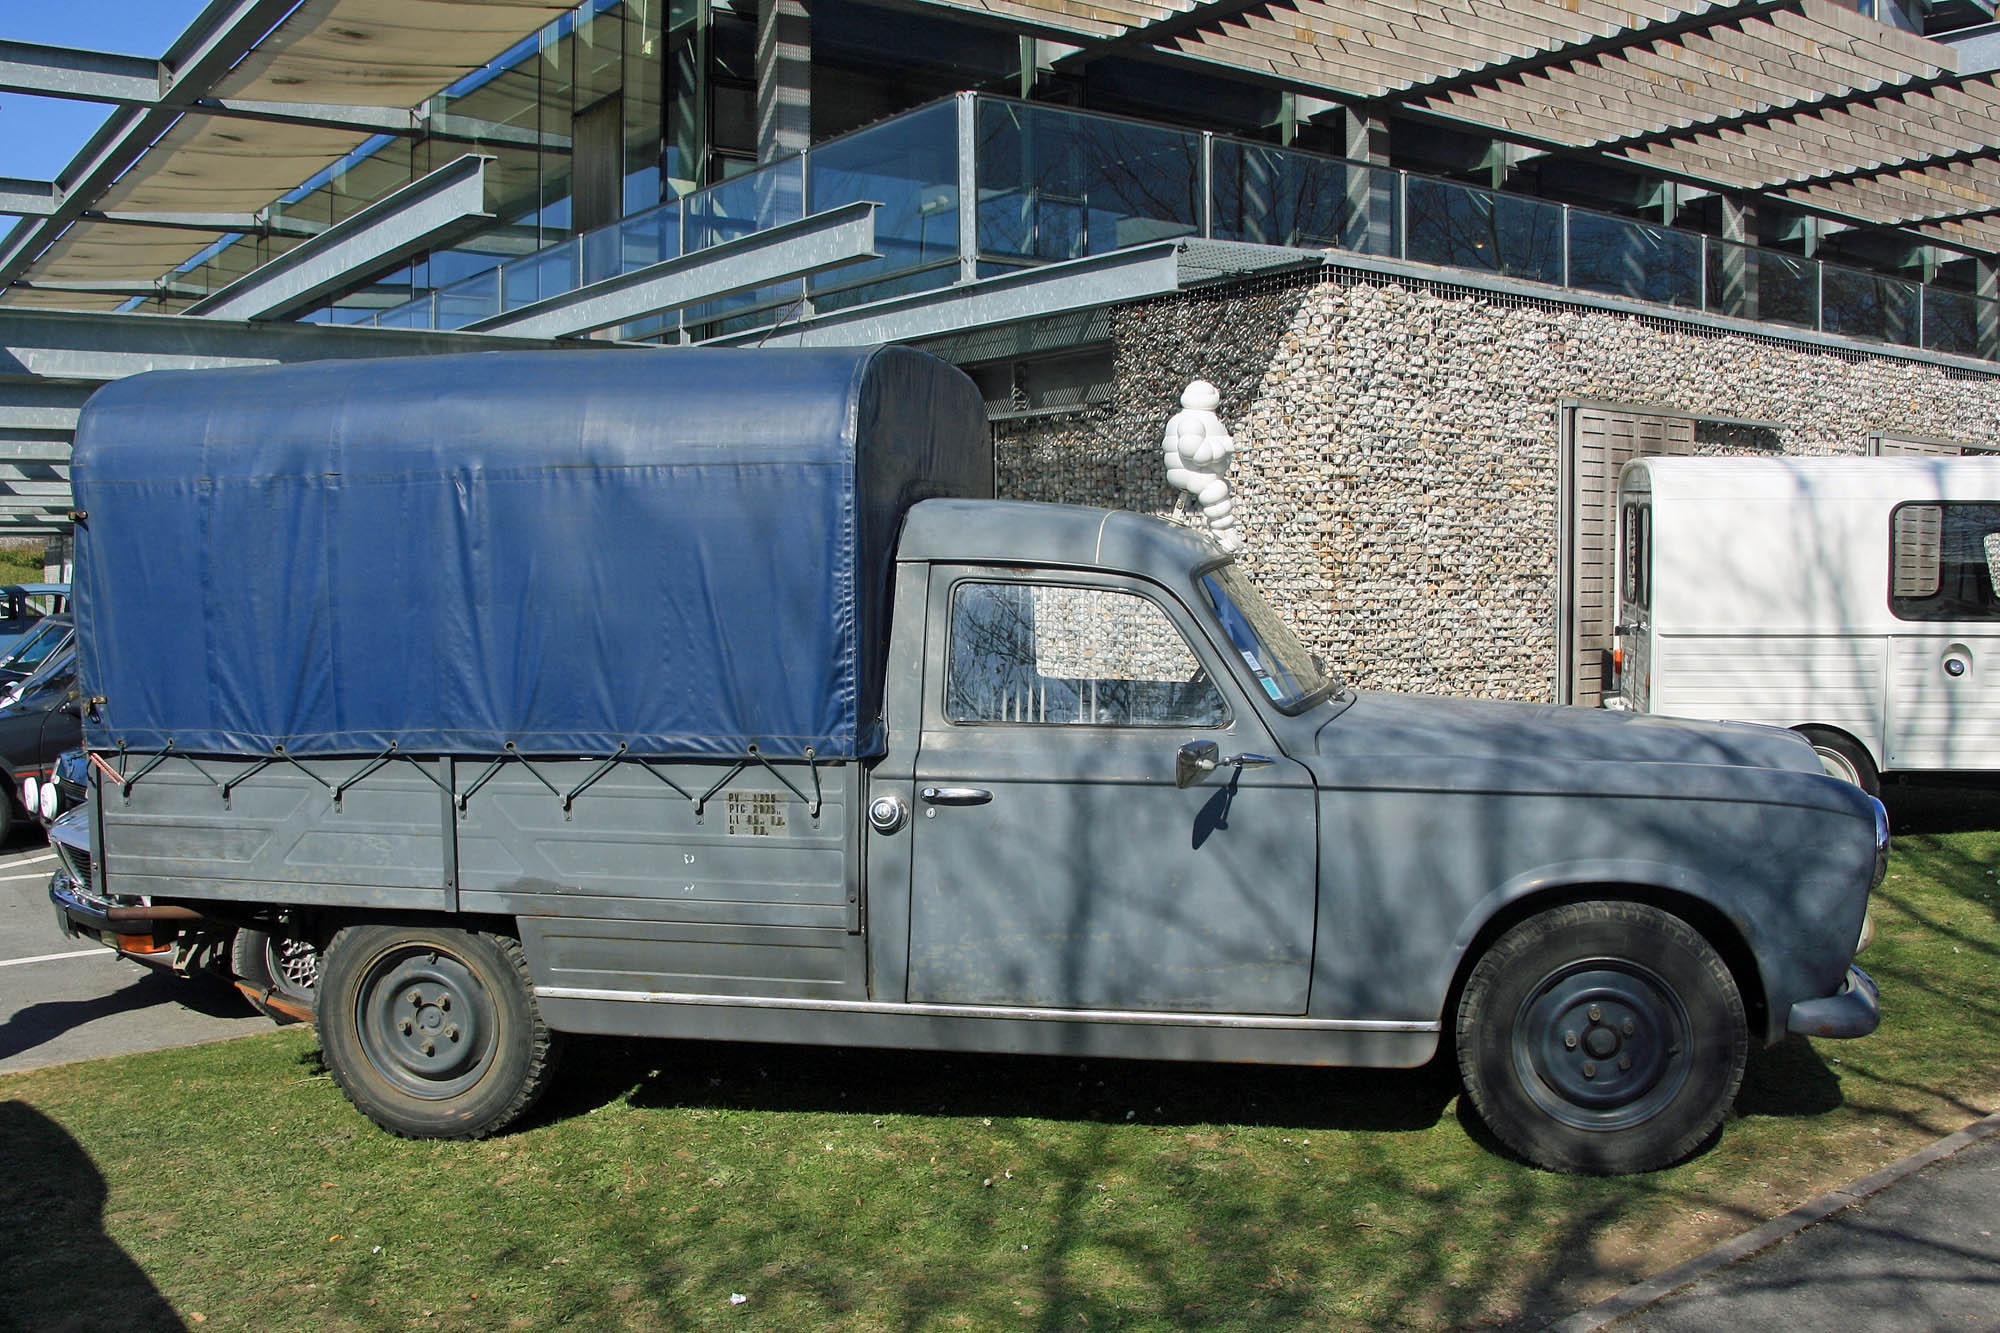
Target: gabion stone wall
{"type": "Point", "coordinates": [1398, 451]}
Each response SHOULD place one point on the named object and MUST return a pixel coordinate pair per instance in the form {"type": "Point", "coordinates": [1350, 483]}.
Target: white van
{"type": "Point", "coordinates": [1849, 598]}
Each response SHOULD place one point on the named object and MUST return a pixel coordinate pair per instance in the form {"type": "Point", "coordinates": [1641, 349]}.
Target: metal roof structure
{"type": "Point", "coordinates": [1805, 102]}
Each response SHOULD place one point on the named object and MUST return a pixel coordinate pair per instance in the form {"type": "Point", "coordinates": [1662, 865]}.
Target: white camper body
{"type": "Point", "coordinates": [1849, 598]}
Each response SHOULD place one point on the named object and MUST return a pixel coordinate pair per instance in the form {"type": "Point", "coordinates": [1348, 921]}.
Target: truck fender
{"type": "Point", "coordinates": [1673, 888]}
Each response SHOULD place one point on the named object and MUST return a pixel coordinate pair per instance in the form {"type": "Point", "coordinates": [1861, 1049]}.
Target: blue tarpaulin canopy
{"type": "Point", "coordinates": [682, 552]}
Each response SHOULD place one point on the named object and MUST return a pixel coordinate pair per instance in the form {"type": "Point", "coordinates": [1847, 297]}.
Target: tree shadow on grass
{"type": "Point", "coordinates": [58, 1267]}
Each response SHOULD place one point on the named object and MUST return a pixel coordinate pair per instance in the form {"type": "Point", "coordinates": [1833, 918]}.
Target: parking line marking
{"type": "Point", "coordinates": [17, 879]}
{"type": "Point", "coordinates": [36, 859]}
{"type": "Point", "coordinates": [55, 957]}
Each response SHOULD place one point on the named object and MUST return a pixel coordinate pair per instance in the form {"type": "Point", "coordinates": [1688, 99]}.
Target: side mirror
{"type": "Point", "coordinates": [1195, 759]}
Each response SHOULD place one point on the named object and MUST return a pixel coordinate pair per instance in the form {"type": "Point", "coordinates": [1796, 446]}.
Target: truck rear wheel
{"type": "Point", "coordinates": [1602, 1038]}
{"type": "Point", "coordinates": [433, 1033]}
{"type": "Point", "coordinates": [284, 964]}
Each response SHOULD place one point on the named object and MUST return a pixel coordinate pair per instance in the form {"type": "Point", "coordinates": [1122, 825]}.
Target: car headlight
{"type": "Point", "coordinates": [48, 798]}
{"type": "Point", "coordinates": [29, 795]}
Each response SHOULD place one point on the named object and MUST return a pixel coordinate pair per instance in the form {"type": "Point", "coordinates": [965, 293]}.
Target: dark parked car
{"type": "Point", "coordinates": [49, 638]}
{"type": "Point", "coordinates": [65, 788]}
{"type": "Point", "coordinates": [38, 726]}
{"type": "Point", "coordinates": [22, 606]}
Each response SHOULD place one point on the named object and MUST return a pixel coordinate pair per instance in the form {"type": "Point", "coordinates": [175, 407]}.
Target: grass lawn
{"type": "Point", "coordinates": [231, 1186]}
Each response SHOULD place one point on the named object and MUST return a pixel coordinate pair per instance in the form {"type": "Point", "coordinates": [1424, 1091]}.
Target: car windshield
{"type": "Point", "coordinates": [1284, 668]}
{"type": "Point", "coordinates": [57, 673]}
{"type": "Point", "coordinates": [35, 647]}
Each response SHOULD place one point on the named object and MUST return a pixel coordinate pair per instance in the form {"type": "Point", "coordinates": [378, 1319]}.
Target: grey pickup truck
{"type": "Point", "coordinates": [709, 694]}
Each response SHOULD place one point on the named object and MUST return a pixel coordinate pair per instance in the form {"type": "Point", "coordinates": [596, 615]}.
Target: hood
{"type": "Point", "coordinates": [1416, 741]}
{"type": "Point", "coordinates": [1410, 724]}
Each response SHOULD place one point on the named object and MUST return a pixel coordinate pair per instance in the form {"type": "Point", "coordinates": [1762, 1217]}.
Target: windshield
{"type": "Point", "coordinates": [57, 673]}
{"type": "Point", "coordinates": [1272, 652]}
{"type": "Point", "coordinates": [38, 643]}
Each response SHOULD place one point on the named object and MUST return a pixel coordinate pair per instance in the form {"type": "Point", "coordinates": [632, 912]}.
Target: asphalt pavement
{"type": "Point", "coordinates": [1915, 1246]}
{"type": "Point", "coordinates": [63, 999]}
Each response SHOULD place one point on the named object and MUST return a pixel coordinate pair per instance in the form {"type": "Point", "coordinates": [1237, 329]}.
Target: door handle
{"type": "Point", "coordinates": [957, 795]}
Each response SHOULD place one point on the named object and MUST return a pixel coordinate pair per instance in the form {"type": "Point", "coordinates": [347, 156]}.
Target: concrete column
{"type": "Point", "coordinates": [784, 78]}
{"type": "Point", "coordinates": [1371, 199]}
{"type": "Point", "coordinates": [1986, 285]}
{"type": "Point", "coordinates": [784, 115]}
{"type": "Point", "coordinates": [1739, 274]}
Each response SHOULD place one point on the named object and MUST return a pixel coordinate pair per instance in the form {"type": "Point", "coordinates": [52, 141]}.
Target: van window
{"type": "Point", "coordinates": [1049, 654]}
{"type": "Point", "coordinates": [1637, 562]}
{"type": "Point", "coordinates": [1942, 561]}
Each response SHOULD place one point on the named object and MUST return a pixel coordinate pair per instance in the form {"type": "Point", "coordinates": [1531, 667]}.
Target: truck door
{"type": "Point", "coordinates": [1055, 863]}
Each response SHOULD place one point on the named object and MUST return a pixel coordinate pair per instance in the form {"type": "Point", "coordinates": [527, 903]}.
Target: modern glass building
{"type": "Point", "coordinates": [421, 172]}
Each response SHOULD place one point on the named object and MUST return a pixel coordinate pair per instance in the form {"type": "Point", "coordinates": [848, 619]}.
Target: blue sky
{"type": "Point", "coordinates": [39, 135]}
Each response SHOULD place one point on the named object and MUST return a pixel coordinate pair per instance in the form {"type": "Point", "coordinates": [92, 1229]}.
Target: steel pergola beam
{"type": "Point", "coordinates": [839, 236]}
{"type": "Point", "coordinates": [88, 76]}
{"type": "Point", "coordinates": [224, 34]}
{"type": "Point", "coordinates": [29, 199]}
{"type": "Point", "coordinates": [429, 211]}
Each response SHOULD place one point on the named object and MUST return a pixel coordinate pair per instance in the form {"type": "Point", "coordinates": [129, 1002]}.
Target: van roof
{"type": "Point", "coordinates": [1943, 477]}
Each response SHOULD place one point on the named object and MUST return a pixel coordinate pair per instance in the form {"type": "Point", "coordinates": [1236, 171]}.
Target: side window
{"type": "Point", "coordinates": [1638, 555]}
{"type": "Point", "coordinates": [1044, 654]}
{"type": "Point", "coordinates": [1942, 561]}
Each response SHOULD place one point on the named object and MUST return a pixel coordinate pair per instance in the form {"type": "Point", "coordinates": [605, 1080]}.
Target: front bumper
{"type": "Point", "coordinates": [80, 915]}
{"type": "Point", "coordinates": [1855, 1011]}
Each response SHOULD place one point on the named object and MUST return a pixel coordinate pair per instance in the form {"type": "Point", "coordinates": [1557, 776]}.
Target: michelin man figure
{"type": "Point", "coordinates": [1198, 449]}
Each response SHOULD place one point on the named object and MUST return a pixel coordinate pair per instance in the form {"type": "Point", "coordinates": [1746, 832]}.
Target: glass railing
{"type": "Point", "coordinates": [1054, 184]}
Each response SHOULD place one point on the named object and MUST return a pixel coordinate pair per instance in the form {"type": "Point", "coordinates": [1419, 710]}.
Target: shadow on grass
{"type": "Point", "coordinates": [58, 1268]}
{"type": "Point", "coordinates": [741, 1076]}
{"type": "Point", "coordinates": [1943, 805]}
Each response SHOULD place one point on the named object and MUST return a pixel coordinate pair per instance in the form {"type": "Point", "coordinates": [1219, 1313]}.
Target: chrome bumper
{"type": "Point", "coordinates": [1855, 1012]}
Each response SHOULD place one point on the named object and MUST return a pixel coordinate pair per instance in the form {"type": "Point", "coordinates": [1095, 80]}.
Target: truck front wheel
{"type": "Point", "coordinates": [433, 1033]}
{"type": "Point", "coordinates": [1602, 1038]}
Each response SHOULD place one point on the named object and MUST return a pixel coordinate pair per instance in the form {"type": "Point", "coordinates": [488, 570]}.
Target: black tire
{"type": "Point", "coordinates": [1602, 1038]}
{"type": "Point", "coordinates": [280, 963]}
{"type": "Point", "coordinates": [388, 992]}
{"type": "Point", "coordinates": [1845, 758]}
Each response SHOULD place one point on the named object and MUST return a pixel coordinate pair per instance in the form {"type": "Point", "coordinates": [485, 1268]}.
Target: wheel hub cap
{"type": "Point", "coordinates": [423, 1023]}
{"type": "Point", "coordinates": [1601, 1044]}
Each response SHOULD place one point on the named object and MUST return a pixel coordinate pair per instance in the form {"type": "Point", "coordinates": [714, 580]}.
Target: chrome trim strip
{"type": "Point", "coordinates": [987, 1011]}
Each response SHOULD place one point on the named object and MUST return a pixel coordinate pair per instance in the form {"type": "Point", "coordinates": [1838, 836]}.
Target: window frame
{"type": "Point", "coordinates": [1161, 599]}
{"type": "Point", "coordinates": [1899, 606]}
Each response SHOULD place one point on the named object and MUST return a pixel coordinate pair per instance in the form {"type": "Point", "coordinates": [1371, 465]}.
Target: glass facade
{"type": "Point", "coordinates": [625, 133]}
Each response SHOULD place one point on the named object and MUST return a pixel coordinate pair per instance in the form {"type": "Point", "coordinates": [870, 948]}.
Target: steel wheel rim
{"type": "Point", "coordinates": [425, 1022]}
{"type": "Point", "coordinates": [1602, 1044]}
{"type": "Point", "coordinates": [293, 964]}
{"type": "Point", "coordinates": [1837, 765]}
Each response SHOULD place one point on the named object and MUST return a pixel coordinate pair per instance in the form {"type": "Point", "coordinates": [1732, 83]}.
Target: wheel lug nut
{"type": "Point", "coordinates": [1630, 1027]}
{"type": "Point", "coordinates": [452, 1032]}
{"type": "Point", "coordinates": [1624, 1063]}
{"type": "Point", "coordinates": [1569, 1040]}
{"type": "Point", "coordinates": [444, 1003]}
{"type": "Point", "coordinates": [429, 1048]}
{"type": "Point", "coordinates": [1596, 1014]}
{"type": "Point", "coordinates": [1589, 1070]}
{"type": "Point", "coordinates": [405, 1026]}
{"type": "Point", "coordinates": [416, 1000]}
